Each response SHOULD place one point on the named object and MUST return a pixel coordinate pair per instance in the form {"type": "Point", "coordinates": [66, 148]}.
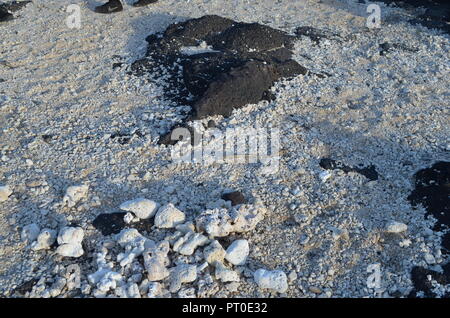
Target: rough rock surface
{"type": "Point", "coordinates": [274, 280]}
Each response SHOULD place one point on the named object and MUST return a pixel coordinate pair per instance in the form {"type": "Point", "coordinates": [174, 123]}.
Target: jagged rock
{"type": "Point", "coordinates": [187, 244]}
{"type": "Point", "coordinates": [156, 261]}
{"type": "Point", "coordinates": [224, 274]}
{"type": "Point", "coordinates": [182, 274]}
{"type": "Point", "coordinates": [169, 216]}
{"type": "Point", "coordinates": [214, 252]}
{"type": "Point", "coordinates": [221, 222]}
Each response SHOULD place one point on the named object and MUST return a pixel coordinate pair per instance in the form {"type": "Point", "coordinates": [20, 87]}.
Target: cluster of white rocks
{"type": "Point", "coordinates": [191, 245]}
{"type": "Point", "coordinates": [192, 248]}
{"type": "Point", "coordinates": [69, 239]}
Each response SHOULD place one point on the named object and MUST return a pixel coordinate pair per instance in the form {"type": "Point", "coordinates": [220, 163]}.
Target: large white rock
{"type": "Point", "coordinates": [70, 250]}
{"type": "Point", "coordinates": [30, 232]}
{"type": "Point", "coordinates": [69, 240]}
{"type": "Point", "coordinates": [75, 193]}
{"type": "Point", "coordinates": [169, 216]}
{"type": "Point", "coordinates": [70, 235]}
{"type": "Point", "coordinates": [45, 240]}
{"type": "Point", "coordinates": [396, 227]}
{"type": "Point", "coordinates": [5, 192]}
{"type": "Point", "coordinates": [274, 280]}
{"type": "Point", "coordinates": [141, 207]}
{"type": "Point", "coordinates": [237, 252]}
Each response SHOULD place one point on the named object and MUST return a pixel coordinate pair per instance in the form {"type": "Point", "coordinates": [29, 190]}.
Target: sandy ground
{"type": "Point", "coordinates": [388, 111]}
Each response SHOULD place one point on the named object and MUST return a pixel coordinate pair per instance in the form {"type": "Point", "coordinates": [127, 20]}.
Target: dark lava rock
{"type": "Point", "coordinates": [432, 191]}
{"type": "Point", "coordinates": [245, 61]}
{"type": "Point", "coordinates": [388, 47]}
{"type": "Point", "coordinates": [235, 197]}
{"type": "Point", "coordinates": [6, 9]}
{"type": "Point", "coordinates": [419, 277]}
{"type": "Point", "coordinates": [110, 223]}
{"type": "Point", "coordinates": [436, 16]}
{"type": "Point", "coordinates": [314, 34]}
{"type": "Point", "coordinates": [369, 172]}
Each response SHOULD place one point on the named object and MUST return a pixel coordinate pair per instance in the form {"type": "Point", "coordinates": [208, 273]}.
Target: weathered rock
{"type": "Point", "coordinates": [156, 261]}
{"type": "Point", "coordinates": [187, 244]}
{"type": "Point", "coordinates": [5, 192]}
{"type": "Point", "coordinates": [396, 227]}
{"type": "Point", "coordinates": [182, 274]}
{"type": "Point", "coordinates": [169, 216]}
{"type": "Point", "coordinates": [221, 222]}
{"type": "Point", "coordinates": [75, 194]}
{"type": "Point", "coordinates": [70, 235]}
{"type": "Point", "coordinates": [30, 232]}
{"type": "Point", "coordinates": [142, 208]}
{"type": "Point", "coordinates": [224, 274]}
{"type": "Point", "coordinates": [237, 252]}
{"type": "Point", "coordinates": [69, 240]}
{"type": "Point", "coordinates": [274, 280]}
{"type": "Point", "coordinates": [214, 252]}
{"type": "Point", "coordinates": [45, 240]}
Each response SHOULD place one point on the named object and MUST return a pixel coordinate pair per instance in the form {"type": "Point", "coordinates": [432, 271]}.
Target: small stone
{"type": "Point", "coordinates": [274, 280]}
{"type": "Point", "coordinates": [5, 192]}
{"type": "Point", "coordinates": [292, 276]}
{"type": "Point", "coordinates": [430, 259]}
{"type": "Point", "coordinates": [315, 290]}
{"type": "Point", "coordinates": [30, 232]}
{"type": "Point", "coordinates": [45, 240]}
{"type": "Point", "coordinates": [325, 175]}
{"type": "Point", "coordinates": [237, 252]}
{"type": "Point", "coordinates": [169, 216]}
{"type": "Point", "coordinates": [142, 208]}
{"type": "Point", "coordinates": [75, 194]}
{"type": "Point", "coordinates": [396, 227]}
{"type": "Point", "coordinates": [182, 274]}
{"type": "Point", "coordinates": [214, 252]}
{"type": "Point", "coordinates": [224, 274]}
{"type": "Point", "coordinates": [128, 218]}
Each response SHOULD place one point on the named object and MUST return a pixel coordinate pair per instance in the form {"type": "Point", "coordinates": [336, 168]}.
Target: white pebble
{"type": "Point", "coordinates": [5, 192]}
{"type": "Point", "coordinates": [274, 280]}
{"type": "Point", "coordinates": [237, 252]}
